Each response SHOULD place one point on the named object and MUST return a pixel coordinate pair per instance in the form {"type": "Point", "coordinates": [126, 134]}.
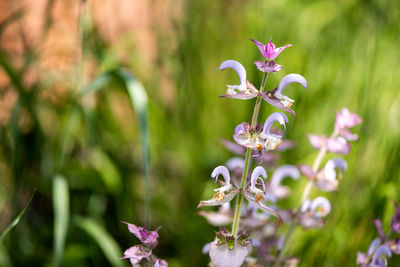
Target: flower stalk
{"type": "Point", "coordinates": [239, 202]}
{"type": "Point", "coordinates": [306, 192]}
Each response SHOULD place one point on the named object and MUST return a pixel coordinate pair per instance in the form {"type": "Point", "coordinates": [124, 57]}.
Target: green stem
{"type": "Point", "coordinates": [239, 202]}
{"type": "Point", "coordinates": [306, 193]}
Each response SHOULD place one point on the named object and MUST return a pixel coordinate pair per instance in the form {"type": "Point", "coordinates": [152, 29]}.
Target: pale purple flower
{"type": "Point", "coordinates": [225, 193]}
{"type": "Point", "coordinates": [346, 120]}
{"type": "Point", "coordinates": [223, 216]}
{"type": "Point", "coordinates": [277, 99]}
{"type": "Point", "coordinates": [313, 212]}
{"type": "Point", "coordinates": [379, 255]}
{"type": "Point", "coordinates": [249, 136]}
{"type": "Point", "coordinates": [228, 251]}
{"type": "Point", "coordinates": [396, 219]}
{"type": "Point", "coordinates": [266, 158]}
{"type": "Point", "coordinates": [146, 237]}
{"type": "Point", "coordinates": [160, 263]}
{"type": "Point", "coordinates": [269, 51]}
{"type": "Point", "coordinates": [272, 141]}
{"type": "Point", "coordinates": [245, 90]}
{"type": "Point", "coordinates": [260, 138]}
{"type": "Point", "coordinates": [327, 179]}
{"type": "Point", "coordinates": [256, 191]}
{"type": "Point", "coordinates": [136, 254]}
{"type": "Point", "coordinates": [278, 190]}
{"type": "Point", "coordinates": [337, 145]}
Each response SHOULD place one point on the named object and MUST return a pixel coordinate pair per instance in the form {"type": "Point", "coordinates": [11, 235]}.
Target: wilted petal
{"type": "Point", "coordinates": [320, 206]}
{"type": "Point", "coordinates": [236, 66]}
{"type": "Point", "coordinates": [224, 198]}
{"type": "Point", "coordinates": [136, 254]}
{"type": "Point", "coordinates": [290, 78]}
{"type": "Point", "coordinates": [267, 67]}
{"type": "Point", "coordinates": [146, 237]}
{"type": "Point", "coordinates": [280, 173]}
{"type": "Point", "coordinates": [222, 256]}
{"type": "Point", "coordinates": [396, 219]}
{"type": "Point", "coordinates": [332, 165]}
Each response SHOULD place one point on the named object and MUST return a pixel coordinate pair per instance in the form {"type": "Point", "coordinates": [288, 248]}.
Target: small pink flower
{"type": "Point", "coordinates": [346, 120]}
{"type": "Point", "coordinates": [146, 237]}
{"type": "Point", "coordinates": [136, 254]}
{"type": "Point", "coordinates": [269, 51]}
{"type": "Point", "coordinates": [337, 145]}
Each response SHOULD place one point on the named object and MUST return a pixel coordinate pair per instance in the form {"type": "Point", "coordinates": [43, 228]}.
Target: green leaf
{"type": "Point", "coordinates": [105, 241]}
{"type": "Point", "coordinates": [16, 220]}
{"type": "Point", "coordinates": [139, 100]}
{"type": "Point", "coordinates": [61, 216]}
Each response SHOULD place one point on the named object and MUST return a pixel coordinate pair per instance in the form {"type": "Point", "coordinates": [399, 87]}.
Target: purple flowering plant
{"type": "Point", "coordinates": [246, 199]}
{"type": "Point", "coordinates": [381, 248]}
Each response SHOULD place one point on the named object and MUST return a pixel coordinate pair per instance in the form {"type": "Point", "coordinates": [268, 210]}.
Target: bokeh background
{"type": "Point", "coordinates": [59, 143]}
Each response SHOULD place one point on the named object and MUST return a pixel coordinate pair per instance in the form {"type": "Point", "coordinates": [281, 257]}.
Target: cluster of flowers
{"type": "Point", "coordinates": [253, 223]}
{"type": "Point", "coordinates": [142, 255]}
{"type": "Point", "coordinates": [382, 247]}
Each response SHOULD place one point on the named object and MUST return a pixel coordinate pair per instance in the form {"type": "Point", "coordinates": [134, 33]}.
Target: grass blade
{"type": "Point", "coordinates": [107, 244]}
{"type": "Point", "coordinates": [61, 214]}
{"type": "Point", "coordinates": [139, 101]}
{"type": "Point", "coordinates": [16, 220]}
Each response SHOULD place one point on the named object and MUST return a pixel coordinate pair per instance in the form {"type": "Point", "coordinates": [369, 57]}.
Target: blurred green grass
{"type": "Point", "coordinates": [346, 49]}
